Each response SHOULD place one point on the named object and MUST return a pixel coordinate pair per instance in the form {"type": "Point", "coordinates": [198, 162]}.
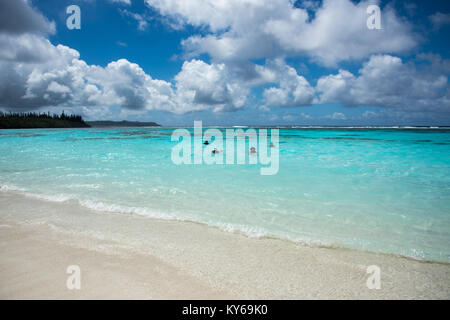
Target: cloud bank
{"type": "Point", "coordinates": [34, 73]}
{"type": "Point", "coordinates": [249, 29]}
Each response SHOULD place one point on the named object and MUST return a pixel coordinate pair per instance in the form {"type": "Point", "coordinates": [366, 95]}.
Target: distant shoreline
{"type": "Point", "coordinates": [137, 124]}
{"type": "Point", "coordinates": [121, 124]}
{"type": "Point", "coordinates": [32, 120]}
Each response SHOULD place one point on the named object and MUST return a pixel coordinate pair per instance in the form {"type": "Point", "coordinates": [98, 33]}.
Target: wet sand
{"type": "Point", "coordinates": [132, 257]}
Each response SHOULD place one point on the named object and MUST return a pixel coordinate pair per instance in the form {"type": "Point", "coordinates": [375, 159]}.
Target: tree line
{"type": "Point", "coordinates": [18, 120]}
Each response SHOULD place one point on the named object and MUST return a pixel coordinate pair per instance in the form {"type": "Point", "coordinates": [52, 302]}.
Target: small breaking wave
{"type": "Point", "coordinates": [90, 204]}
{"type": "Point", "coordinates": [101, 206]}
{"type": "Point", "coordinates": [47, 197]}
{"type": "Point", "coordinates": [7, 187]}
{"type": "Point", "coordinates": [115, 208]}
{"type": "Point", "coordinates": [243, 229]}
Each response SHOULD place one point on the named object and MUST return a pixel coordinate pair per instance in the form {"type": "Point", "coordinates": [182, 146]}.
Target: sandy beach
{"type": "Point", "coordinates": [131, 257]}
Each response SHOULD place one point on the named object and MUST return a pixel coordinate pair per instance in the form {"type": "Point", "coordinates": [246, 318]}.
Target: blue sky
{"type": "Point", "coordinates": [229, 63]}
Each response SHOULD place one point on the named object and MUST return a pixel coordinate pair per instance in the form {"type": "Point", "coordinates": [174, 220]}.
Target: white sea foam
{"type": "Point", "coordinates": [6, 187]}
{"type": "Point", "coordinates": [47, 197]}
{"type": "Point", "coordinates": [100, 206]}
{"type": "Point", "coordinates": [252, 232]}
{"type": "Point", "coordinates": [109, 207]}
{"type": "Point", "coordinates": [244, 229]}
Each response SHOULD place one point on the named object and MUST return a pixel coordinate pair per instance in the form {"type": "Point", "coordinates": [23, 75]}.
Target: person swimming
{"type": "Point", "coordinates": [252, 150]}
{"type": "Point", "coordinates": [206, 142]}
{"type": "Point", "coordinates": [272, 145]}
{"type": "Point", "coordinates": [215, 151]}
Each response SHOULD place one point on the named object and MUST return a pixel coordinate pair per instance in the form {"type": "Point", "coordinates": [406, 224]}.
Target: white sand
{"type": "Point", "coordinates": [128, 256]}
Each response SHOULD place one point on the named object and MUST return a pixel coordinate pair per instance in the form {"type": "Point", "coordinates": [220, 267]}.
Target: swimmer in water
{"type": "Point", "coordinates": [272, 145]}
{"type": "Point", "coordinates": [252, 150]}
{"type": "Point", "coordinates": [206, 142]}
{"type": "Point", "coordinates": [215, 151]}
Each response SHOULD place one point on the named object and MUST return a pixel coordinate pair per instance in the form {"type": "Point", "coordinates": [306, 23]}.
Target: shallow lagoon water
{"type": "Point", "coordinates": [384, 190]}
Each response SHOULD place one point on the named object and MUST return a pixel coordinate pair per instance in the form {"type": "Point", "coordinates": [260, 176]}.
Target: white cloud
{"type": "Point", "coordinates": [439, 20]}
{"type": "Point", "coordinates": [387, 82]}
{"type": "Point", "coordinates": [35, 73]}
{"type": "Point", "coordinates": [305, 115]}
{"type": "Point", "coordinates": [140, 19]}
{"type": "Point", "coordinates": [293, 90]}
{"type": "Point", "coordinates": [125, 84]}
{"type": "Point", "coordinates": [201, 86]}
{"type": "Point", "coordinates": [369, 114]}
{"type": "Point", "coordinates": [247, 29]}
{"type": "Point", "coordinates": [27, 47]}
{"type": "Point", "coordinates": [58, 88]}
{"type": "Point", "coordinates": [126, 2]}
{"type": "Point", "coordinates": [337, 116]}
{"type": "Point", "coordinates": [56, 76]}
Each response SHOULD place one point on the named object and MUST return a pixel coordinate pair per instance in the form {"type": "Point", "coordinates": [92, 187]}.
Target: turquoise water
{"type": "Point", "coordinates": [378, 190]}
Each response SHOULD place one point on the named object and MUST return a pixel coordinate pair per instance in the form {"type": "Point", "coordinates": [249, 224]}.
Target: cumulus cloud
{"type": "Point", "coordinates": [17, 17]}
{"type": "Point", "coordinates": [56, 76]}
{"type": "Point", "coordinates": [34, 73]}
{"type": "Point", "coordinates": [293, 90]}
{"type": "Point", "coordinates": [387, 82]}
{"type": "Point", "coordinates": [203, 86]}
{"type": "Point", "coordinates": [25, 48]}
{"type": "Point", "coordinates": [247, 29]}
{"type": "Point", "coordinates": [24, 85]}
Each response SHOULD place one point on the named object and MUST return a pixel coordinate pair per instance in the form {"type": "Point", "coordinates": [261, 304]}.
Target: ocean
{"type": "Point", "coordinates": [379, 190]}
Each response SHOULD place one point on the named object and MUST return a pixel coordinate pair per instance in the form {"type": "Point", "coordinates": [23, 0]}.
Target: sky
{"type": "Point", "coordinates": [229, 62]}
